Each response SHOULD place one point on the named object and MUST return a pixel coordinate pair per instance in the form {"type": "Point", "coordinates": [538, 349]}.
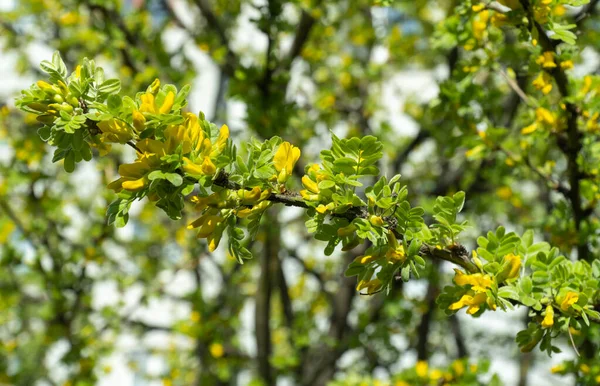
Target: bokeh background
{"type": "Point", "coordinates": [84, 303]}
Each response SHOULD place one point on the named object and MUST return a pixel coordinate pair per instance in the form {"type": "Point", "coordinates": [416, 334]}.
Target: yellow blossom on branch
{"type": "Point", "coordinates": [546, 60]}
{"type": "Point", "coordinates": [478, 282]}
{"type": "Point", "coordinates": [543, 82]}
{"type": "Point", "coordinates": [511, 266]}
{"type": "Point", "coordinates": [549, 318]}
{"type": "Point", "coordinates": [568, 300]}
{"type": "Point", "coordinates": [543, 115]}
{"type": "Point", "coordinates": [115, 131]}
{"type": "Point", "coordinates": [396, 251]}
{"type": "Point", "coordinates": [422, 368]}
{"type": "Point", "coordinates": [566, 64]}
{"type": "Point", "coordinates": [371, 286]}
{"type": "Point", "coordinates": [480, 24]}
{"type": "Point", "coordinates": [473, 302]}
{"type": "Point", "coordinates": [284, 160]}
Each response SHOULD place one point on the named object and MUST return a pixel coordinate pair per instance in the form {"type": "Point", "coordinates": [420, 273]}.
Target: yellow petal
{"type": "Point", "coordinates": [549, 318]}
{"type": "Point", "coordinates": [153, 88]}
{"type": "Point", "coordinates": [286, 157]}
{"type": "Point", "coordinates": [321, 209]}
{"type": "Point", "coordinates": [529, 129]}
{"type": "Point", "coordinates": [139, 121]}
{"type": "Point", "coordinates": [569, 299]}
{"type": "Point", "coordinates": [167, 103]}
{"type": "Point", "coordinates": [310, 184]}
{"type": "Point", "coordinates": [208, 168]}
{"type": "Point", "coordinates": [135, 185]}
{"type": "Point", "coordinates": [222, 138]}
{"type": "Point", "coordinates": [147, 103]}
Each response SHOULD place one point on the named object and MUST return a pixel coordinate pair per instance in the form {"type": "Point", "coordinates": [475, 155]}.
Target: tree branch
{"type": "Point", "coordinates": [215, 24]}
{"type": "Point", "coordinates": [573, 144]}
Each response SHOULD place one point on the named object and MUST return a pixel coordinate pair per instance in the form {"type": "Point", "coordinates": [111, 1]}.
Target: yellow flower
{"type": "Point", "coordinates": [69, 19]}
{"type": "Point", "coordinates": [376, 221]}
{"type": "Point", "coordinates": [322, 209]}
{"type": "Point", "coordinates": [115, 131]}
{"type": "Point", "coordinates": [559, 10]}
{"type": "Point", "coordinates": [480, 23]}
{"type": "Point", "coordinates": [216, 350]}
{"type": "Point", "coordinates": [587, 85]}
{"type": "Point", "coordinates": [568, 301]}
{"type": "Point", "coordinates": [473, 302]}
{"type": "Point", "coordinates": [133, 177]}
{"type": "Point", "coordinates": [395, 252]}
{"type": "Point", "coordinates": [504, 192]}
{"type": "Point", "coordinates": [478, 7]}
{"type": "Point", "coordinates": [139, 121]}
{"type": "Point", "coordinates": [221, 141]}
{"type": "Point", "coordinates": [366, 259]}
{"type": "Point", "coordinates": [478, 281]}
{"type": "Point", "coordinates": [167, 103]}
{"type": "Point", "coordinates": [310, 185]}
{"type": "Point", "coordinates": [435, 375]}
{"type": "Point", "coordinates": [566, 64]}
{"type": "Point", "coordinates": [214, 239]}
{"type": "Point", "coordinates": [149, 103]}
{"type": "Point", "coordinates": [549, 318]}
{"type": "Point", "coordinates": [529, 129]}
{"type": "Point", "coordinates": [422, 368]}
{"type": "Point", "coordinates": [546, 60]}
{"type": "Point", "coordinates": [584, 368]}
{"type": "Point", "coordinates": [284, 160]}
{"type": "Point", "coordinates": [189, 135]}
{"type": "Point", "coordinates": [153, 88]}
{"type": "Point", "coordinates": [543, 82]}
{"type": "Point", "coordinates": [511, 267]}
{"type": "Point", "coordinates": [372, 286]}
{"type": "Point", "coordinates": [207, 168]}
{"type": "Point", "coordinates": [459, 367]}
{"type": "Point", "coordinates": [558, 368]}
{"type": "Point", "coordinates": [543, 115]}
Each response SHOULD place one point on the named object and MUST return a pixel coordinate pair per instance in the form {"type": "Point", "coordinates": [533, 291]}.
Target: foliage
{"type": "Point", "coordinates": [178, 151]}
{"type": "Point", "coordinates": [508, 143]}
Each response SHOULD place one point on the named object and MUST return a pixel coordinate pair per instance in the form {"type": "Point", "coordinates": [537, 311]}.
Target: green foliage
{"type": "Point", "coordinates": [511, 138]}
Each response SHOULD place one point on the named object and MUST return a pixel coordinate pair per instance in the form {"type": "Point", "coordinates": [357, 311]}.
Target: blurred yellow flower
{"type": "Point", "coordinates": [284, 160]}
{"type": "Point", "coordinates": [549, 318]}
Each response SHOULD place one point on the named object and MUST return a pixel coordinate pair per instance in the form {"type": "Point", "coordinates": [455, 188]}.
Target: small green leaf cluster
{"type": "Point", "coordinates": [61, 106]}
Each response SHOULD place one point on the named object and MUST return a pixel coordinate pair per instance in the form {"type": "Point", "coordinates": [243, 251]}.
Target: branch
{"type": "Point", "coordinates": [425, 326]}
{"type": "Point", "coordinates": [304, 27]}
{"type": "Point", "coordinates": [263, 303]}
{"type": "Point", "coordinates": [215, 24]}
{"type": "Point", "coordinates": [573, 143]}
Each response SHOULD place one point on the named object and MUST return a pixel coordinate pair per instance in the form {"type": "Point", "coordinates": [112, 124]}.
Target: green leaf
{"type": "Point", "coordinates": [526, 285]}
{"type": "Point", "coordinates": [174, 178]}
{"type": "Point", "coordinates": [110, 86]}
{"type": "Point", "coordinates": [114, 103]}
{"type": "Point", "coordinates": [156, 175]}
{"type": "Point", "coordinates": [326, 184]}
{"type": "Point", "coordinates": [508, 292]}
{"type": "Point", "coordinates": [69, 163]}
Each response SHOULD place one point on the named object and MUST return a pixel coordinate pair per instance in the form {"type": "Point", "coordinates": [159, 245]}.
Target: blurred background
{"type": "Point", "coordinates": [84, 303]}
